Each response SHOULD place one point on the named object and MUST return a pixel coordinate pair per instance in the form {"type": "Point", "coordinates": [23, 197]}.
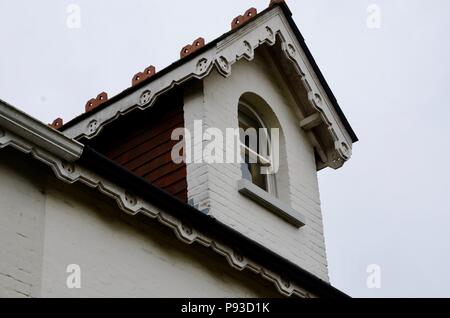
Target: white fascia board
{"type": "Point", "coordinates": [38, 133]}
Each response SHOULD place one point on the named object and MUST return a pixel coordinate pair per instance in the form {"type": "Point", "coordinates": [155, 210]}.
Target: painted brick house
{"type": "Point", "coordinates": [103, 191]}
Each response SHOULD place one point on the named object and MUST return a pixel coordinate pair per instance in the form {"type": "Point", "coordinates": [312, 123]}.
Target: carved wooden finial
{"type": "Point", "coordinates": [95, 102]}
{"type": "Point", "coordinates": [242, 19]}
{"type": "Point", "coordinates": [57, 123]}
{"type": "Point", "coordinates": [142, 76]}
{"type": "Point", "coordinates": [189, 49]}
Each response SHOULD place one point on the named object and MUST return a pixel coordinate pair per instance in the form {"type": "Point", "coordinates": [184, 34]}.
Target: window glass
{"type": "Point", "coordinates": [250, 145]}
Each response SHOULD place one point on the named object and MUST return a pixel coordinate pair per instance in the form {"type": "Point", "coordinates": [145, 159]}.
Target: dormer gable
{"type": "Point", "coordinates": [261, 75]}
{"type": "Point", "coordinates": [319, 113]}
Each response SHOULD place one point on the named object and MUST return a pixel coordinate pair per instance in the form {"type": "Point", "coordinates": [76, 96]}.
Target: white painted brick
{"type": "Point", "coordinates": [22, 210]}
{"type": "Point", "coordinates": [217, 105]}
{"type": "Point", "coordinates": [120, 257]}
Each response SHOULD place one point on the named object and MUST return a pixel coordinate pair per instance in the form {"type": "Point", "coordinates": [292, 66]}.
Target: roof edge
{"type": "Point", "coordinates": [206, 224]}
{"type": "Point", "coordinates": [38, 133]}
{"type": "Point", "coordinates": [288, 13]}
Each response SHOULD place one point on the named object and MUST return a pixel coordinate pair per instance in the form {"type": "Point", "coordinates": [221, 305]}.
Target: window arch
{"type": "Point", "coordinates": [272, 191]}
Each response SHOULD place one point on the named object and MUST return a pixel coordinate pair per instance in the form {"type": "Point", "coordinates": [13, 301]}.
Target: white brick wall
{"type": "Point", "coordinates": [22, 210]}
{"type": "Point", "coordinates": [215, 186]}
{"type": "Point", "coordinates": [46, 225]}
{"type": "Point", "coordinates": [120, 256]}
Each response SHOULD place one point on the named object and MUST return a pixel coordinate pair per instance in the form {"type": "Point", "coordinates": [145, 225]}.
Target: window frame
{"type": "Point", "coordinates": [264, 162]}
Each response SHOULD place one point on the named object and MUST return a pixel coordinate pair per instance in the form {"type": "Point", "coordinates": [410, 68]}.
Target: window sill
{"type": "Point", "coordinates": [271, 203]}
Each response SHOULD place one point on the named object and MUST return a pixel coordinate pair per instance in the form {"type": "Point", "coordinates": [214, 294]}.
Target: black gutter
{"type": "Point", "coordinates": [287, 12]}
{"type": "Point", "coordinates": [206, 224]}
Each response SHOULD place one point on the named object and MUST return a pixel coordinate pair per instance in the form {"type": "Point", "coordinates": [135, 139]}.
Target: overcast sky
{"type": "Point", "coordinates": [389, 206]}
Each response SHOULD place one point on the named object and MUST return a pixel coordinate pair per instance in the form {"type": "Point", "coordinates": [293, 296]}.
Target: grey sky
{"type": "Point", "coordinates": [390, 205]}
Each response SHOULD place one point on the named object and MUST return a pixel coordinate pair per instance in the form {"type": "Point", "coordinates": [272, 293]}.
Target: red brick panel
{"type": "Point", "coordinates": [142, 143]}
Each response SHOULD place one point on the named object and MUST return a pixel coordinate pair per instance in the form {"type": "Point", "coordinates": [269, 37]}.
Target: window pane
{"type": "Point", "coordinates": [252, 173]}
{"type": "Point", "coordinates": [250, 127]}
{"type": "Point", "coordinates": [251, 170]}
{"type": "Point", "coordinates": [257, 178]}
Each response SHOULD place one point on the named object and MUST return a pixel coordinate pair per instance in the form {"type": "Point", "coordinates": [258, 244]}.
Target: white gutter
{"type": "Point", "coordinates": [38, 133]}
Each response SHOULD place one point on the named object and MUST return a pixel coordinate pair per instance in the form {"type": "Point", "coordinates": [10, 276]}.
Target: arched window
{"type": "Point", "coordinates": [255, 149]}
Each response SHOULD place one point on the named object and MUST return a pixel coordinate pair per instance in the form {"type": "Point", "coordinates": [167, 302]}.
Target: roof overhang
{"type": "Point", "coordinates": [37, 134]}
{"type": "Point", "coordinates": [321, 117]}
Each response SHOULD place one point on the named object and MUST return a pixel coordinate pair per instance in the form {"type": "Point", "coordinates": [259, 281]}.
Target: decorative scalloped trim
{"type": "Point", "coordinates": [266, 29]}
{"type": "Point", "coordinates": [132, 205]}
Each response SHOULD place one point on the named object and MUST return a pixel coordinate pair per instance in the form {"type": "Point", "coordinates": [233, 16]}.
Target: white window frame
{"type": "Point", "coordinates": [263, 161]}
